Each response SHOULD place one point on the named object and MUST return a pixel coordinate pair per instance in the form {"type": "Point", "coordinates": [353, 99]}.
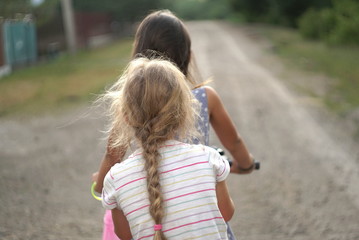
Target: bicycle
{"type": "Point", "coordinates": [257, 164]}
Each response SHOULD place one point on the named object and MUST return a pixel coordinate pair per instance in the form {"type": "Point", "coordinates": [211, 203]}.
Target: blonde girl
{"type": "Point", "coordinates": [166, 189]}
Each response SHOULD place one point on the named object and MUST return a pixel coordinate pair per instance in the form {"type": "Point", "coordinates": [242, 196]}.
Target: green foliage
{"type": "Point", "coordinates": [316, 24]}
{"type": "Point", "coordinates": [121, 10]}
{"type": "Point", "coordinates": [283, 12]}
{"type": "Point", "coordinates": [340, 91]}
{"type": "Point", "coordinates": [335, 22]}
{"type": "Point", "coordinates": [9, 8]}
{"type": "Point", "coordinates": [337, 25]}
{"type": "Point", "coordinates": [201, 9]}
{"type": "Point", "coordinates": [47, 12]}
{"type": "Point", "coordinates": [347, 22]}
{"type": "Point", "coordinates": [64, 82]}
{"type": "Point", "coordinates": [250, 10]}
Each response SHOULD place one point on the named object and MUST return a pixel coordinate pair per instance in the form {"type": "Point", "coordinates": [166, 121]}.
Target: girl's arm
{"type": "Point", "coordinates": [225, 203]}
{"type": "Point", "coordinates": [227, 133]}
{"type": "Point", "coordinates": [122, 228]}
{"type": "Point", "coordinates": [112, 156]}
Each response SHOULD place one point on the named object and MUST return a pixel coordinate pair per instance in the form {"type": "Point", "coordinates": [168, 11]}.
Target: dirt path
{"type": "Point", "coordinates": [305, 190]}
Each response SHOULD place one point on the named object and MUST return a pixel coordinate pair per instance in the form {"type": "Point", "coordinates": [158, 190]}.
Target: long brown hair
{"type": "Point", "coordinates": [151, 103]}
{"type": "Point", "coordinates": [163, 34]}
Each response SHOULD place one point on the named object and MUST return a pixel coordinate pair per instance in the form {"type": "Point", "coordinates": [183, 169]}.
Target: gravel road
{"type": "Point", "coordinates": [307, 188]}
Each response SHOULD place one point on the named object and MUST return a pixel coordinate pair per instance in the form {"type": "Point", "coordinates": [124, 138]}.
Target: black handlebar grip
{"type": "Point", "coordinates": [257, 165]}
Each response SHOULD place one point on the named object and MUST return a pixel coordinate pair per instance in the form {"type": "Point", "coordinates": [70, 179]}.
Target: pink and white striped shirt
{"type": "Point", "coordinates": [188, 177]}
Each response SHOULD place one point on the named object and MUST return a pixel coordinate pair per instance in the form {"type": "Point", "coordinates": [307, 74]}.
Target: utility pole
{"type": "Point", "coordinates": [69, 25]}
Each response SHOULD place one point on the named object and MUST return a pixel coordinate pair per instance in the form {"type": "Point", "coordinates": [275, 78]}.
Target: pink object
{"type": "Point", "coordinates": [157, 227]}
{"type": "Point", "coordinates": [108, 227]}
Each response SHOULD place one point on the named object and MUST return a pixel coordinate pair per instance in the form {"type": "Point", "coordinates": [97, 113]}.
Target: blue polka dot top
{"type": "Point", "coordinates": [203, 122]}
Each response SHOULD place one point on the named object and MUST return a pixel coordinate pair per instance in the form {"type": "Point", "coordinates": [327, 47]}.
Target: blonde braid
{"type": "Point", "coordinates": [152, 103]}
{"type": "Point", "coordinates": [152, 156]}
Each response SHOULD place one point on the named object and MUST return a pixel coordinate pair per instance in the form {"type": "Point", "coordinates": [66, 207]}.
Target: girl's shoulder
{"type": "Point", "coordinates": [200, 93]}
{"type": "Point", "coordinates": [216, 161]}
{"type": "Point", "coordinates": [206, 92]}
{"type": "Point", "coordinates": [206, 89]}
{"type": "Point", "coordinates": [132, 161]}
{"type": "Point", "coordinates": [213, 98]}
{"type": "Point", "coordinates": [175, 147]}
{"type": "Point", "coordinates": [205, 149]}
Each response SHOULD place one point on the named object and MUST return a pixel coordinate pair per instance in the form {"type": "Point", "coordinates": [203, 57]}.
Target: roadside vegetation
{"type": "Point", "coordinates": [315, 35]}
{"type": "Point", "coordinates": [64, 82]}
{"type": "Point", "coordinates": [72, 80]}
{"type": "Point", "coordinates": [338, 62]}
{"type": "Point", "coordinates": [320, 36]}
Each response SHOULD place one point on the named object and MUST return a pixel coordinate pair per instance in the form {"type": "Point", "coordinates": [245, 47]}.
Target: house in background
{"type": "Point", "coordinates": [22, 43]}
{"type": "Point", "coordinates": [93, 29]}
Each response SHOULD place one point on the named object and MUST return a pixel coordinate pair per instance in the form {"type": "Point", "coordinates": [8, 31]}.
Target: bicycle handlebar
{"type": "Point", "coordinates": [257, 164]}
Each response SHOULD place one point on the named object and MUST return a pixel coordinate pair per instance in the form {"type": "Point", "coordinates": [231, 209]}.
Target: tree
{"type": "Point", "coordinates": [285, 12]}
{"type": "Point", "coordinates": [121, 10]}
{"type": "Point", "coordinates": [9, 8]}
{"type": "Point", "coordinates": [47, 12]}
{"type": "Point", "coordinates": [338, 24]}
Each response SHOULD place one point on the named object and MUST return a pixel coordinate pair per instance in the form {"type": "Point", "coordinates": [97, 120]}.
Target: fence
{"type": "Point", "coordinates": [20, 42]}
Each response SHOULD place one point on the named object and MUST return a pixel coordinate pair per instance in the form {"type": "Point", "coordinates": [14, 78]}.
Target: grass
{"type": "Point", "coordinates": [70, 80]}
{"type": "Point", "coordinates": [338, 62]}
{"type": "Point", "coordinates": [64, 82]}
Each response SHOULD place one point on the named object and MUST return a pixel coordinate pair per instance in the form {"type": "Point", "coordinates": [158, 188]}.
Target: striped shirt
{"type": "Point", "coordinates": [188, 177]}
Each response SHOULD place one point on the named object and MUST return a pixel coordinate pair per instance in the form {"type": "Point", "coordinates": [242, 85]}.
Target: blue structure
{"type": "Point", "coordinates": [19, 40]}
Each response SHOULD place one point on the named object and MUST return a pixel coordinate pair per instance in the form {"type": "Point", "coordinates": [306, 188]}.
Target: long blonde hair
{"type": "Point", "coordinates": [151, 103]}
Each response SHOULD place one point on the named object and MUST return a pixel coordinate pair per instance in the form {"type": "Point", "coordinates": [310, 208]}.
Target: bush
{"type": "Point", "coordinates": [309, 25]}
{"type": "Point", "coordinates": [346, 30]}
{"type": "Point", "coordinates": [327, 21]}
{"type": "Point", "coordinates": [337, 25]}
{"type": "Point", "coordinates": [194, 9]}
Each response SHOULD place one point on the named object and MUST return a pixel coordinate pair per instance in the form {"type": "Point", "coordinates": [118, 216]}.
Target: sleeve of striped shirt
{"type": "Point", "coordinates": [108, 193]}
{"type": "Point", "coordinates": [219, 164]}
